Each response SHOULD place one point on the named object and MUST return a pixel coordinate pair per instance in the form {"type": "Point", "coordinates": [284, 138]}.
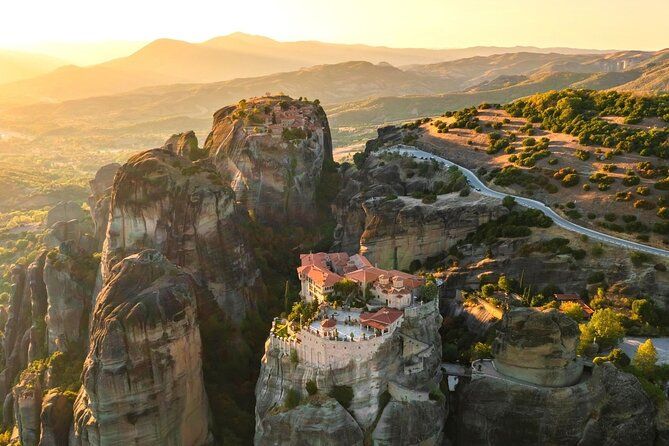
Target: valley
{"type": "Point", "coordinates": [244, 240]}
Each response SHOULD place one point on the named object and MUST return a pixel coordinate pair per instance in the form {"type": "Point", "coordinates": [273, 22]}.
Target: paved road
{"type": "Point", "coordinates": [481, 188]}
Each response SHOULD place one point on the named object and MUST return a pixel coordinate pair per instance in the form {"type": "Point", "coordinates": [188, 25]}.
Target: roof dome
{"type": "Point", "coordinates": [328, 323]}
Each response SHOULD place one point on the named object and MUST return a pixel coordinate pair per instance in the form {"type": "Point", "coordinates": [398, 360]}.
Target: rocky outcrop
{"type": "Point", "coordinates": [142, 379]}
{"type": "Point", "coordinates": [538, 347]}
{"type": "Point", "coordinates": [162, 201]}
{"type": "Point", "coordinates": [609, 408]}
{"type": "Point", "coordinates": [534, 391]}
{"type": "Point", "coordinates": [320, 422]}
{"type": "Point", "coordinates": [274, 150]}
{"type": "Point", "coordinates": [65, 211]}
{"type": "Point", "coordinates": [100, 198]}
{"type": "Point", "coordinates": [377, 214]}
{"type": "Point", "coordinates": [184, 144]}
{"type": "Point", "coordinates": [400, 231]}
{"type": "Point", "coordinates": [55, 419]}
{"type": "Point", "coordinates": [382, 387]}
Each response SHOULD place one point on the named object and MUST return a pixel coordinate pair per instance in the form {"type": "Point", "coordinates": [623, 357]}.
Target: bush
{"type": "Point", "coordinates": [616, 356]}
{"type": "Point", "coordinates": [311, 387]}
{"type": "Point", "coordinates": [638, 258]}
{"type": "Point", "coordinates": [481, 351]}
{"type": "Point", "coordinates": [292, 399]}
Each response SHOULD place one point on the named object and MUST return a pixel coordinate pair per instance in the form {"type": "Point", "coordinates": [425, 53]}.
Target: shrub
{"type": "Point", "coordinates": [311, 387]}
{"type": "Point", "coordinates": [645, 358]}
{"type": "Point", "coordinates": [573, 310]}
{"type": "Point", "coordinates": [570, 180]}
{"type": "Point", "coordinates": [481, 351]}
{"type": "Point", "coordinates": [583, 155]}
{"type": "Point", "coordinates": [292, 399]}
{"type": "Point", "coordinates": [488, 290]}
{"type": "Point", "coordinates": [616, 356]}
{"type": "Point", "coordinates": [639, 258]}
{"type": "Point", "coordinates": [663, 212]}
{"type": "Point", "coordinates": [644, 204]}
{"type": "Point", "coordinates": [508, 202]}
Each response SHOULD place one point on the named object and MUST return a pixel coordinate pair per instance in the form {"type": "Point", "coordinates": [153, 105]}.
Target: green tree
{"type": "Point", "coordinates": [573, 310]}
{"type": "Point", "coordinates": [503, 284]}
{"type": "Point", "coordinates": [645, 358]}
{"type": "Point", "coordinates": [292, 399]}
{"type": "Point", "coordinates": [508, 202]}
{"type": "Point", "coordinates": [604, 327]}
{"type": "Point", "coordinates": [481, 351]}
{"type": "Point", "coordinates": [429, 291]}
{"type": "Point", "coordinates": [644, 310]}
{"type": "Point", "coordinates": [488, 290]}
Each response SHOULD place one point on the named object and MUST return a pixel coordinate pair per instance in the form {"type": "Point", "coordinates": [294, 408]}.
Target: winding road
{"type": "Point", "coordinates": [482, 189]}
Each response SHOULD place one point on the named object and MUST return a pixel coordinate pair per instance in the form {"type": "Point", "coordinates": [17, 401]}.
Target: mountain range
{"type": "Point", "coordinates": [167, 61]}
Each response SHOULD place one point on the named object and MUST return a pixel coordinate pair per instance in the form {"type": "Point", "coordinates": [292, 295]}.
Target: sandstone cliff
{"type": "Point", "coordinates": [381, 210]}
{"type": "Point", "coordinates": [144, 320]}
{"type": "Point", "coordinates": [274, 150]}
{"type": "Point", "coordinates": [510, 405]}
{"type": "Point", "coordinates": [381, 391]}
{"type": "Point", "coordinates": [163, 201]}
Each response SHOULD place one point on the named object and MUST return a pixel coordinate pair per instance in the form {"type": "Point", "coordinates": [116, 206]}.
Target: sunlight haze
{"type": "Point", "coordinates": [424, 23]}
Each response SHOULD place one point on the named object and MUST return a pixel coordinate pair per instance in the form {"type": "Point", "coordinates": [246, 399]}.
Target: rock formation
{"type": "Point", "coordinates": [144, 320]}
{"type": "Point", "coordinates": [381, 389]}
{"type": "Point", "coordinates": [100, 197]}
{"type": "Point", "coordinates": [405, 229]}
{"type": "Point", "coordinates": [274, 150]}
{"type": "Point", "coordinates": [163, 201]}
{"type": "Point", "coordinates": [605, 407]}
{"type": "Point", "coordinates": [377, 215]}
{"type": "Point", "coordinates": [538, 347]}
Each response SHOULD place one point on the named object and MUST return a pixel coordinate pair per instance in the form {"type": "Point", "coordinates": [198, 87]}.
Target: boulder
{"type": "Point", "coordinates": [183, 144]}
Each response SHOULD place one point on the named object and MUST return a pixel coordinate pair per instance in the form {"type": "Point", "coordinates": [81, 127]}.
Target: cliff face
{"type": "Point", "coordinates": [144, 320]}
{"type": "Point", "coordinates": [518, 405]}
{"type": "Point", "coordinates": [381, 390]}
{"type": "Point", "coordinates": [402, 230]}
{"type": "Point", "coordinates": [161, 200]}
{"type": "Point", "coordinates": [378, 214]}
{"type": "Point", "coordinates": [274, 150]}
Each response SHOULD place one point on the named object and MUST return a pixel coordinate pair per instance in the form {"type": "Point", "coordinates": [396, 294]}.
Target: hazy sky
{"type": "Point", "coordinates": [601, 24]}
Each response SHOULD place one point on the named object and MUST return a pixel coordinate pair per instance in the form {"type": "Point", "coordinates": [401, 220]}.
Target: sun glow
{"type": "Point", "coordinates": [30, 24]}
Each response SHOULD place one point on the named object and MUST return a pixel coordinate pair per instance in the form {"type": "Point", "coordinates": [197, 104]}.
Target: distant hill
{"type": "Point", "coordinates": [238, 55]}
{"type": "Point", "coordinates": [15, 66]}
{"type": "Point", "coordinates": [357, 95]}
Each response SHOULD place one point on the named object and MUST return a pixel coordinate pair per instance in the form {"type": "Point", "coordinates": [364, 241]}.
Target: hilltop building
{"type": "Point", "coordinates": [337, 335]}
{"type": "Point", "coordinates": [319, 272]}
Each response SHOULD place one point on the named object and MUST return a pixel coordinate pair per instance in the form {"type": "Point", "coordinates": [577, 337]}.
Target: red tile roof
{"type": "Point", "coordinates": [328, 323]}
{"type": "Point", "coordinates": [381, 319]}
{"type": "Point", "coordinates": [365, 275]}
